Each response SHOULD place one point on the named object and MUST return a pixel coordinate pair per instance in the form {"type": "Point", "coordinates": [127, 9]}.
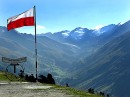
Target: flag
{"type": "Point", "coordinates": [24, 19]}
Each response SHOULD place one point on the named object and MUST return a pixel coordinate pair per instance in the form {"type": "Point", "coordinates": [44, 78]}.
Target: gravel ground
{"type": "Point", "coordinates": [17, 89]}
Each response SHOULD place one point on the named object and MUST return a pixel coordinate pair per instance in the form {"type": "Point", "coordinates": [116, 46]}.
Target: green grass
{"type": "Point", "coordinates": [67, 90]}
{"type": "Point", "coordinates": [5, 76]}
{"type": "Point", "coordinates": [76, 93]}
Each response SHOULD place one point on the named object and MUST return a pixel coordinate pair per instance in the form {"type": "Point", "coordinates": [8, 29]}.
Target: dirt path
{"type": "Point", "coordinates": [29, 90]}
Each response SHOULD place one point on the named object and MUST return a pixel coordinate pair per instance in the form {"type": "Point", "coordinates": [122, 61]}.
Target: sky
{"type": "Point", "coordinates": [57, 15]}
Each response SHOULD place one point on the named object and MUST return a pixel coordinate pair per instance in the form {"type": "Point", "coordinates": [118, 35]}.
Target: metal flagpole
{"type": "Point", "coordinates": [35, 40]}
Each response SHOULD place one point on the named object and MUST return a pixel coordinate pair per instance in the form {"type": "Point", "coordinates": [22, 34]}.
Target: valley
{"type": "Point", "coordinates": [84, 58]}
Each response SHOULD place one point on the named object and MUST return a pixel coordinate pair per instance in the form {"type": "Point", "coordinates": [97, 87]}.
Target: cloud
{"type": "Point", "coordinates": [98, 27]}
{"type": "Point", "coordinates": [40, 27]}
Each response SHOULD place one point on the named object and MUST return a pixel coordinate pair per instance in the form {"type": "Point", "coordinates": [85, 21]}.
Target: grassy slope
{"type": "Point", "coordinates": [4, 77]}
{"type": "Point", "coordinates": [76, 93]}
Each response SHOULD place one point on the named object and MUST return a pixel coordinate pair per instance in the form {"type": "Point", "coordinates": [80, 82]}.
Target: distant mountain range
{"type": "Point", "coordinates": [84, 58]}
{"type": "Point", "coordinates": [89, 40]}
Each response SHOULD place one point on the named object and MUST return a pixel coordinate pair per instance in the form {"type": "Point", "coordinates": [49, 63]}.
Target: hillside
{"type": "Point", "coordinates": [15, 88]}
{"type": "Point", "coordinates": [5, 76]}
{"type": "Point", "coordinates": [56, 57]}
{"type": "Point", "coordinates": [82, 57]}
{"type": "Point", "coordinates": [107, 69]}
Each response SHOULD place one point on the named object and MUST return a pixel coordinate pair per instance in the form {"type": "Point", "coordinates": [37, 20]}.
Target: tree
{"type": "Point", "coordinates": [42, 79]}
{"type": "Point", "coordinates": [50, 79]}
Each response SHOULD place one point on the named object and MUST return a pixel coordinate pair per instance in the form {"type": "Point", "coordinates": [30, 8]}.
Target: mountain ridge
{"type": "Point", "coordinates": [107, 68]}
{"type": "Point", "coordinates": [83, 54]}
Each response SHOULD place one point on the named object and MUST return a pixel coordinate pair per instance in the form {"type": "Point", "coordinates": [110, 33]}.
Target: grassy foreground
{"type": "Point", "coordinates": [76, 93]}
{"type": "Point", "coordinates": [67, 90]}
{"type": "Point", "coordinates": [5, 76]}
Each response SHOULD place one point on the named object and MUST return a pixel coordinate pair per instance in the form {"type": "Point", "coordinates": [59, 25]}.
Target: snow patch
{"type": "Point", "coordinates": [72, 45]}
{"type": "Point", "coordinates": [98, 32]}
{"type": "Point", "coordinates": [65, 34]}
{"type": "Point", "coordinates": [78, 33]}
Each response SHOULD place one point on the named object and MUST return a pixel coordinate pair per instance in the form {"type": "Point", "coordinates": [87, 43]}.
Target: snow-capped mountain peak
{"type": "Point", "coordinates": [103, 29]}
{"type": "Point", "coordinates": [77, 33]}
{"type": "Point", "coordinates": [65, 33]}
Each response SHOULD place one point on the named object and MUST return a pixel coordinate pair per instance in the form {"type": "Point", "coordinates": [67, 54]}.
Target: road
{"type": "Point", "coordinates": [26, 89]}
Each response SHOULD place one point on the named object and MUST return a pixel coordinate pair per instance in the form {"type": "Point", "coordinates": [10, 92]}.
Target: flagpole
{"type": "Point", "coordinates": [35, 41]}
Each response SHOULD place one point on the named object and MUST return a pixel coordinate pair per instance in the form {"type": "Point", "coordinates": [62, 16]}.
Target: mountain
{"type": "Point", "coordinates": [107, 70]}
{"type": "Point", "coordinates": [90, 39]}
{"type": "Point", "coordinates": [79, 34]}
{"type": "Point", "coordinates": [58, 36]}
{"type": "Point", "coordinates": [82, 57]}
{"type": "Point", "coordinates": [56, 57]}
{"type": "Point", "coordinates": [103, 60]}
{"type": "Point", "coordinates": [86, 39]}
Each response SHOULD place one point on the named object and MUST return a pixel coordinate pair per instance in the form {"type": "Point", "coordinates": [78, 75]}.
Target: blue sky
{"type": "Point", "coordinates": [57, 15]}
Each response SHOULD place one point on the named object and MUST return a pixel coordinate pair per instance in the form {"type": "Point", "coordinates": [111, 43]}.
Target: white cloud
{"type": "Point", "coordinates": [40, 27]}
{"type": "Point", "coordinates": [98, 27]}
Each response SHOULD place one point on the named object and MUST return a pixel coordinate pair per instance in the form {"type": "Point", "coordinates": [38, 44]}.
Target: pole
{"type": "Point", "coordinates": [35, 41]}
{"type": "Point", "coordinates": [14, 68]}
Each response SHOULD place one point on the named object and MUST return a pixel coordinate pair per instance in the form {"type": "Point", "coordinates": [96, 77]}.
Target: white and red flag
{"type": "Point", "coordinates": [24, 19]}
